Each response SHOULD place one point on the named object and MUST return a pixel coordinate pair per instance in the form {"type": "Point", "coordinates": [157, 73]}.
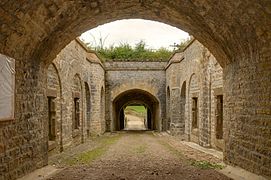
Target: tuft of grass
{"type": "Point", "coordinates": [89, 156]}
{"type": "Point", "coordinates": [199, 164]}
{"type": "Point", "coordinates": [172, 149]}
{"type": "Point", "coordinates": [206, 165]}
{"type": "Point", "coordinates": [141, 149]}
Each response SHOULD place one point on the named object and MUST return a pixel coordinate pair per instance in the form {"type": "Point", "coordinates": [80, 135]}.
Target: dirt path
{"type": "Point", "coordinates": [137, 155]}
{"type": "Point", "coordinates": [134, 122]}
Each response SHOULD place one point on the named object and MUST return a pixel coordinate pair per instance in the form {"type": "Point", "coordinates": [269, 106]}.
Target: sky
{"type": "Point", "coordinates": [154, 34]}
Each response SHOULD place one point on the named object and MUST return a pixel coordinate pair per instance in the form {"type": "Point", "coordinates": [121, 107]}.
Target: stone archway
{"type": "Point", "coordinates": [236, 32]}
{"type": "Point", "coordinates": [136, 96]}
{"type": "Point", "coordinates": [54, 24]}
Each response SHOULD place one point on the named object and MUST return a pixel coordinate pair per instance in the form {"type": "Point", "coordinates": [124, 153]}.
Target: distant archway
{"type": "Point", "coordinates": [136, 96]}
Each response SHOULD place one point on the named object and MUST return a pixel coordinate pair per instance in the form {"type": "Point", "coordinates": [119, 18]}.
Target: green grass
{"type": "Point", "coordinates": [89, 156]}
{"type": "Point", "coordinates": [171, 149]}
{"type": "Point", "coordinates": [139, 109]}
{"type": "Point", "coordinates": [140, 149]}
{"type": "Point", "coordinates": [206, 165]}
{"type": "Point", "coordinates": [195, 163]}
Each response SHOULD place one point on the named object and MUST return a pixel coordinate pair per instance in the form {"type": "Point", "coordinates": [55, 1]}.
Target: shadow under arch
{"type": "Point", "coordinates": [136, 96]}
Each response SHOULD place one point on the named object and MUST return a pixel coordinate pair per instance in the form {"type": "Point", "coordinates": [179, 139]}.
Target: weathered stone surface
{"type": "Point", "coordinates": [125, 76]}
{"type": "Point", "coordinates": [237, 32]}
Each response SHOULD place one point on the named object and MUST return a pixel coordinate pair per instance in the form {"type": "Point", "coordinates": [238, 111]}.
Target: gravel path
{"type": "Point", "coordinates": [143, 155]}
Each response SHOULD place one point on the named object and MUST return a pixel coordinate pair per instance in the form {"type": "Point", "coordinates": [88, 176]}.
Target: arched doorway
{"type": "Point", "coordinates": [136, 97]}
{"type": "Point", "coordinates": [54, 95]}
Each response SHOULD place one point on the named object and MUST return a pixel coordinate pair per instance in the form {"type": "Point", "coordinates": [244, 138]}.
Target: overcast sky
{"type": "Point", "coordinates": [131, 31]}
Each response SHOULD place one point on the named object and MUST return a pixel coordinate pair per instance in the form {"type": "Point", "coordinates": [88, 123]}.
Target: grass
{"type": "Point", "coordinates": [172, 149]}
{"type": "Point", "coordinates": [140, 149]}
{"type": "Point", "coordinates": [138, 109]}
{"type": "Point", "coordinates": [89, 156]}
{"type": "Point", "coordinates": [195, 163]}
{"type": "Point", "coordinates": [206, 165]}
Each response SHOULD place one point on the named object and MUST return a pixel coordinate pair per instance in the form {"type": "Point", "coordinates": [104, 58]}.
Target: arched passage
{"type": "Point", "coordinates": [236, 32]}
{"type": "Point", "coordinates": [45, 36]}
{"type": "Point", "coordinates": [132, 97]}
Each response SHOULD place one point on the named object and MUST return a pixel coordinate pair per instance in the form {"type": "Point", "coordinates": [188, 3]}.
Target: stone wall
{"type": "Point", "coordinates": [125, 76]}
{"type": "Point", "coordinates": [199, 72]}
{"type": "Point", "coordinates": [77, 68]}
{"type": "Point", "coordinates": [75, 72]}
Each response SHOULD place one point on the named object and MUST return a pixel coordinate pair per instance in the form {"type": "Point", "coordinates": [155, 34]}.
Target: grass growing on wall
{"type": "Point", "coordinates": [126, 52]}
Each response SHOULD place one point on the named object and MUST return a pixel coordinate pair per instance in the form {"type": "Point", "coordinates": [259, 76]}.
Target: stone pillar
{"type": "Point", "coordinates": [176, 126]}
{"type": "Point", "coordinates": [30, 126]}
{"type": "Point", "coordinates": [205, 100]}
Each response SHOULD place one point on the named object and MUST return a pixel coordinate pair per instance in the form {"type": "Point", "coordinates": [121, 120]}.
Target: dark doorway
{"type": "Point", "coordinates": [219, 117]}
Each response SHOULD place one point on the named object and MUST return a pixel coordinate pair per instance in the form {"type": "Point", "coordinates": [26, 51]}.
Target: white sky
{"type": "Point", "coordinates": [131, 31]}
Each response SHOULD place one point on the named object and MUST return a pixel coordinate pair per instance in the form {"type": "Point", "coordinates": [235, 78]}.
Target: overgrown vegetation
{"type": "Point", "coordinates": [89, 156]}
{"type": "Point", "coordinates": [127, 52]}
{"type": "Point", "coordinates": [138, 109]}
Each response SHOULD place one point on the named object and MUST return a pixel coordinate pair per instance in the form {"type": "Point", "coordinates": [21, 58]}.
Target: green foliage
{"type": "Point", "coordinates": [89, 156]}
{"type": "Point", "coordinates": [138, 109]}
{"type": "Point", "coordinates": [126, 52]}
{"type": "Point", "coordinates": [183, 44]}
{"type": "Point", "coordinates": [140, 149]}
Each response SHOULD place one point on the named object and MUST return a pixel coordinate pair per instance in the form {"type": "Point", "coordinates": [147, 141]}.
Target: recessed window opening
{"type": "Point", "coordinates": [194, 112]}
{"type": "Point", "coordinates": [219, 117]}
{"type": "Point", "coordinates": [52, 119]}
{"type": "Point", "coordinates": [76, 113]}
